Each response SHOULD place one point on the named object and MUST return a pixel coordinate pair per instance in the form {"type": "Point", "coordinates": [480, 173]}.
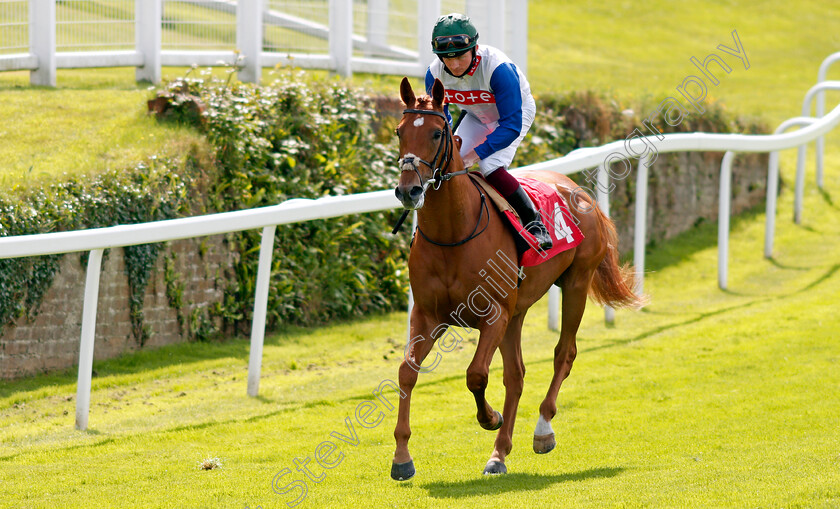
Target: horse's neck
{"type": "Point", "coordinates": [450, 212]}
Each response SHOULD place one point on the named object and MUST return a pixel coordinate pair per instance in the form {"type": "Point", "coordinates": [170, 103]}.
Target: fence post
{"type": "Point", "coordinates": [773, 181]}
{"type": "Point", "coordinates": [603, 189]}
{"type": "Point", "coordinates": [554, 308]}
{"type": "Point", "coordinates": [341, 35]}
{"type": "Point", "coordinates": [377, 25]}
{"type": "Point", "coordinates": [818, 90]}
{"type": "Point", "coordinates": [725, 197]}
{"type": "Point", "coordinates": [493, 32]}
{"type": "Point", "coordinates": [260, 309]}
{"type": "Point", "coordinates": [640, 233]}
{"type": "Point", "coordinates": [831, 59]}
{"type": "Point", "coordinates": [489, 18]}
{"type": "Point", "coordinates": [770, 206]}
{"type": "Point", "coordinates": [249, 36]}
{"type": "Point", "coordinates": [799, 185]}
{"type": "Point", "coordinates": [517, 31]}
{"type": "Point", "coordinates": [820, 145]}
{"type": "Point", "coordinates": [147, 36]}
{"type": "Point", "coordinates": [42, 41]}
{"type": "Point", "coordinates": [87, 339]}
{"type": "Point", "coordinates": [479, 13]}
{"type": "Point", "coordinates": [428, 13]}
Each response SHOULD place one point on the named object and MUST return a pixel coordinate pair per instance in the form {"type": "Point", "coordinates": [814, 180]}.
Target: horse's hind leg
{"type": "Point", "coordinates": [514, 377]}
{"type": "Point", "coordinates": [575, 285]}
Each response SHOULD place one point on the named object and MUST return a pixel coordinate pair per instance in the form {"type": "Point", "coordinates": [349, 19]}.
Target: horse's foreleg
{"type": "Point", "coordinates": [575, 286]}
{"type": "Point", "coordinates": [479, 370]}
{"type": "Point", "coordinates": [514, 378]}
{"type": "Point", "coordinates": [416, 351]}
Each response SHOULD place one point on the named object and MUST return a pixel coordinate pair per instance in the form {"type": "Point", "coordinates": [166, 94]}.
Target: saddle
{"type": "Point", "coordinates": [555, 215]}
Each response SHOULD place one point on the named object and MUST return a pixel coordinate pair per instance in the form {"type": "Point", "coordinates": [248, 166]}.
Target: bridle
{"type": "Point", "coordinates": [443, 156]}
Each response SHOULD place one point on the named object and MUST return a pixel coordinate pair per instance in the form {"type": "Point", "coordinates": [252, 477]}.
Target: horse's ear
{"type": "Point", "coordinates": [406, 93]}
{"type": "Point", "coordinates": [438, 92]}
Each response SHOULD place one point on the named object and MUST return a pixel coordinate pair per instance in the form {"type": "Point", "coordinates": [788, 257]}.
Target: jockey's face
{"type": "Point", "coordinates": [458, 65]}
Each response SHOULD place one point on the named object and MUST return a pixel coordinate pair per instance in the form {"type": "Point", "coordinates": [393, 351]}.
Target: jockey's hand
{"type": "Point", "coordinates": [471, 159]}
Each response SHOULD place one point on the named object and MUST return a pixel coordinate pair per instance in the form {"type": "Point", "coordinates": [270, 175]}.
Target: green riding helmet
{"type": "Point", "coordinates": [453, 35]}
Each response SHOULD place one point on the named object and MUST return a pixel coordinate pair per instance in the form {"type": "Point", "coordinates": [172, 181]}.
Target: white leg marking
{"type": "Point", "coordinates": [543, 427]}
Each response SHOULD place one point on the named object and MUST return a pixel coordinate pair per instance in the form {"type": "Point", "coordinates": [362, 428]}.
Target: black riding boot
{"type": "Point", "coordinates": [531, 219]}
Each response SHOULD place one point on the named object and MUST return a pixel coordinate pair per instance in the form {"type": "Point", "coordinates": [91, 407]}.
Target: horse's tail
{"type": "Point", "coordinates": [613, 283]}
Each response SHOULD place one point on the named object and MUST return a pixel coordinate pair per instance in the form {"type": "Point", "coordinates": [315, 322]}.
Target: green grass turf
{"type": "Point", "coordinates": [79, 128]}
{"type": "Point", "coordinates": [632, 48]}
{"type": "Point", "coordinates": [704, 399]}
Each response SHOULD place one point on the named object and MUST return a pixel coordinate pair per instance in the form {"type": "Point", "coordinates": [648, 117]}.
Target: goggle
{"type": "Point", "coordinates": [451, 42]}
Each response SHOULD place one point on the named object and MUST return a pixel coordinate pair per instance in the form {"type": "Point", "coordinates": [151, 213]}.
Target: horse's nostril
{"type": "Point", "coordinates": [415, 193]}
{"type": "Point", "coordinates": [398, 193]}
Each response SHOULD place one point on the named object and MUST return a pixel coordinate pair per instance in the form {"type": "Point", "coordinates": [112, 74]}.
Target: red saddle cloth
{"type": "Point", "coordinates": [555, 216]}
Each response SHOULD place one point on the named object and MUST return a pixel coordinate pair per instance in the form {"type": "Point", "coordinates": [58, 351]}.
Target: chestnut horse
{"type": "Point", "coordinates": [459, 231]}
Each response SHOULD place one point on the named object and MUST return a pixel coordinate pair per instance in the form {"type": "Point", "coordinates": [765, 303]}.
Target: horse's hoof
{"type": "Point", "coordinates": [495, 468]}
{"type": "Point", "coordinates": [489, 426]}
{"type": "Point", "coordinates": [402, 471]}
{"type": "Point", "coordinates": [544, 443]}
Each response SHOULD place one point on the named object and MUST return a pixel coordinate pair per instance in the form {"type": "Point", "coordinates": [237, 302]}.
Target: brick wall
{"type": "Point", "coordinates": [51, 340]}
{"type": "Point", "coordinates": [683, 190]}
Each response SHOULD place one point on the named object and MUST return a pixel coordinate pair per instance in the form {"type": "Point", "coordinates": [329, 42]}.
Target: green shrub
{"type": "Point", "coordinates": [150, 192]}
{"type": "Point", "coordinates": [294, 139]}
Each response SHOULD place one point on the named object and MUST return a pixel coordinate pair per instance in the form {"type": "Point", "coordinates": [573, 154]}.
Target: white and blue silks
{"type": "Point", "coordinates": [499, 105]}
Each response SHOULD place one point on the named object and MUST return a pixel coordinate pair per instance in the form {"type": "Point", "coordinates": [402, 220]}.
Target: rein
{"type": "Point", "coordinates": [472, 235]}
{"type": "Point", "coordinates": [444, 153]}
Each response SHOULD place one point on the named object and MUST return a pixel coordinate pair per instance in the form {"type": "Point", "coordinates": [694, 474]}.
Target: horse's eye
{"type": "Point", "coordinates": [397, 132]}
{"type": "Point", "coordinates": [437, 134]}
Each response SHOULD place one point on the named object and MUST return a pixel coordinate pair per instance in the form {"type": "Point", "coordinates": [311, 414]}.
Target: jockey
{"type": "Point", "coordinates": [496, 98]}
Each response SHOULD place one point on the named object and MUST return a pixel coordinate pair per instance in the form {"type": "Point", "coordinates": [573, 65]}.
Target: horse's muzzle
{"type": "Point", "coordinates": [411, 197]}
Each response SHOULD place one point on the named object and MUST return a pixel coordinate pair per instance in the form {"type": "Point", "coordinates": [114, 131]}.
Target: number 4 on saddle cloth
{"type": "Point", "coordinates": [554, 213]}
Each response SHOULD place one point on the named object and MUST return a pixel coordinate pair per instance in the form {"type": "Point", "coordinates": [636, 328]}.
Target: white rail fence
{"type": "Point", "coordinates": [344, 36]}
{"type": "Point", "coordinates": [298, 210]}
